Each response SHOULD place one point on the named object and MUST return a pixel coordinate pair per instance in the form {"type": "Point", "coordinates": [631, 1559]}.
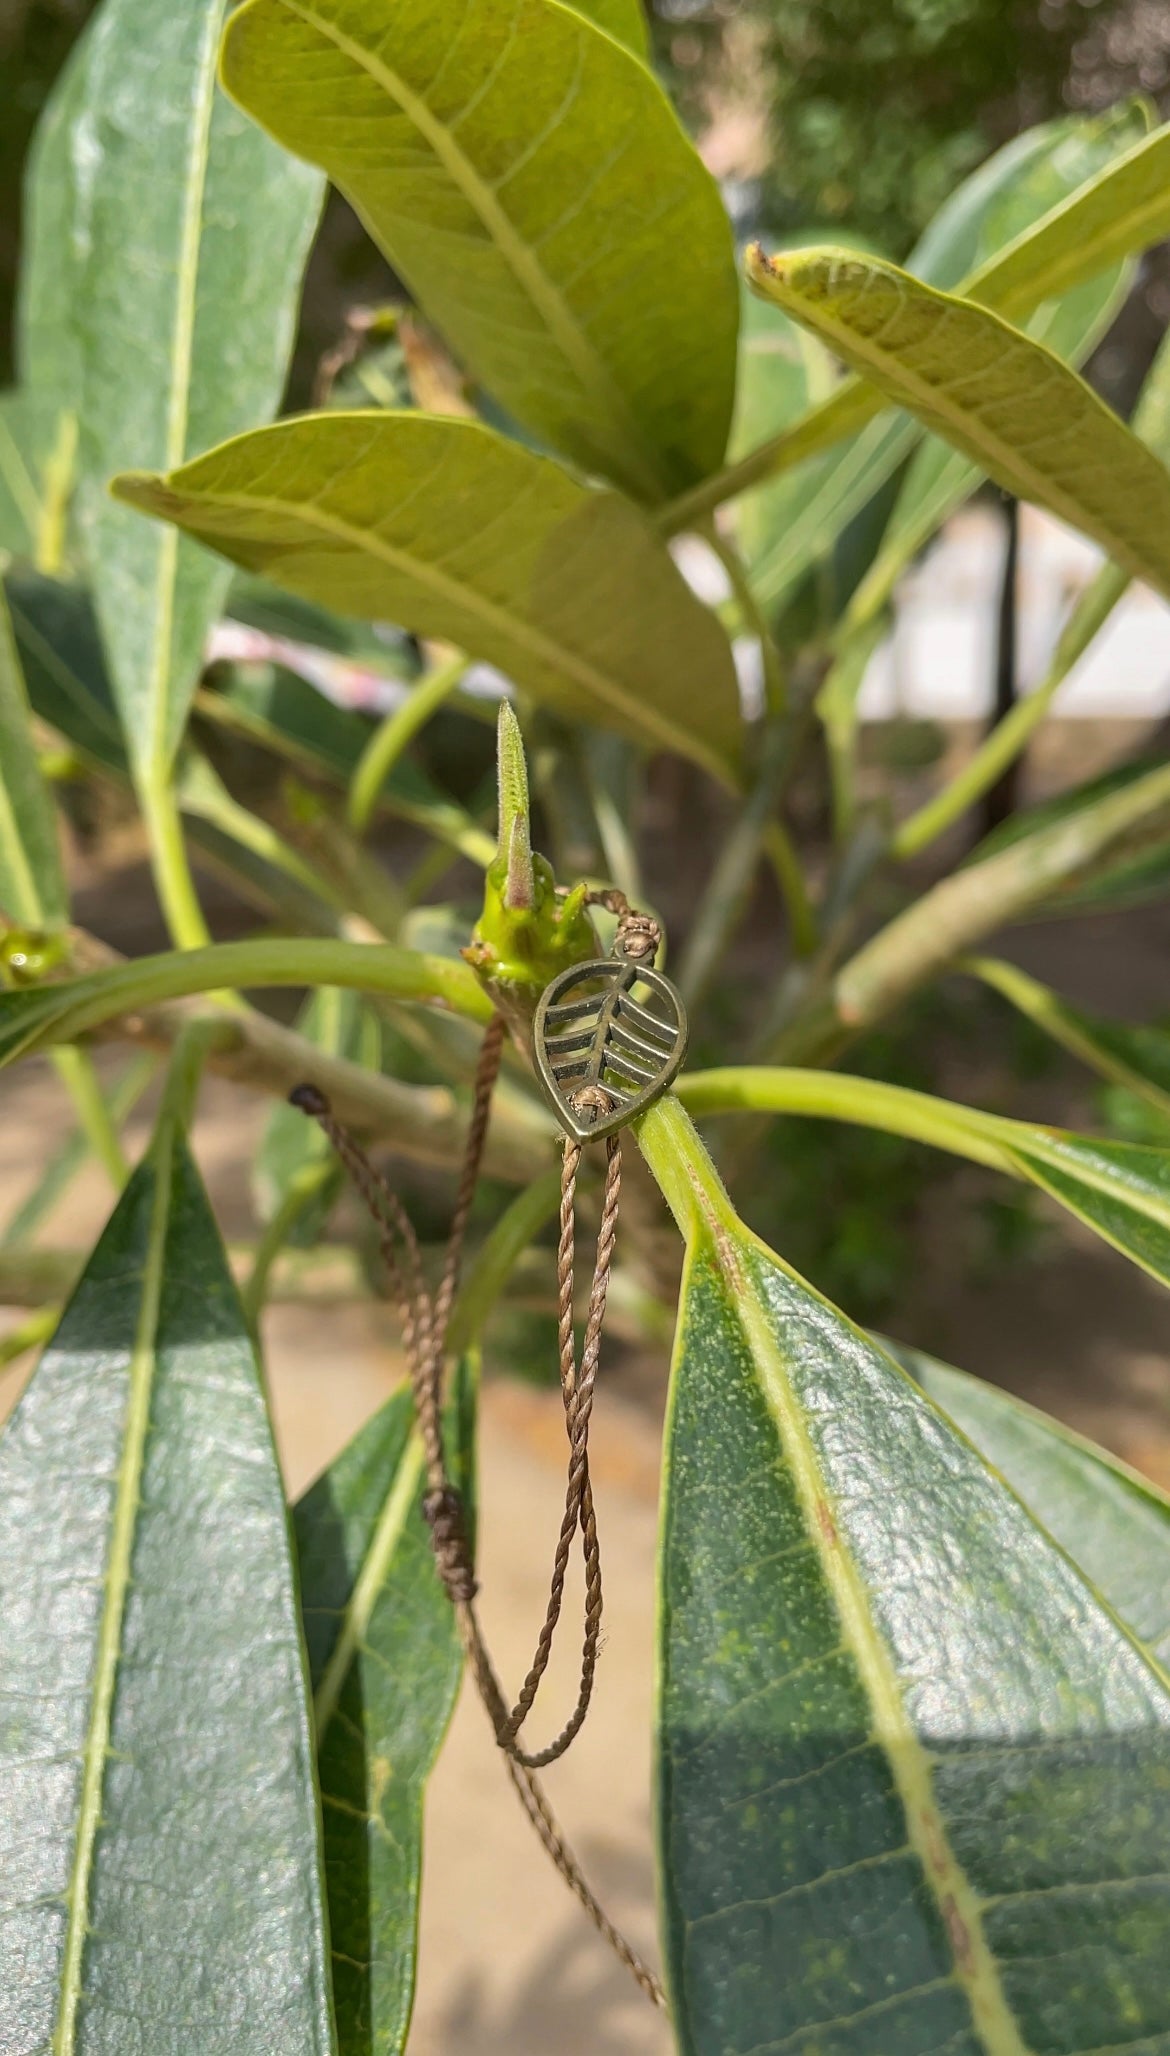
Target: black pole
{"type": "Point", "coordinates": [1001, 799]}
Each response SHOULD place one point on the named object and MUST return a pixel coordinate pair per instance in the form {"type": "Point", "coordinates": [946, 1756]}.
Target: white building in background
{"type": "Point", "coordinates": [939, 661]}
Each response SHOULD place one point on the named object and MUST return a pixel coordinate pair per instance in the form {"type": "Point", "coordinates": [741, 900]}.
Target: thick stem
{"type": "Point", "coordinates": [834, 1096]}
{"type": "Point", "coordinates": [394, 736]}
{"type": "Point", "coordinates": [961, 910]}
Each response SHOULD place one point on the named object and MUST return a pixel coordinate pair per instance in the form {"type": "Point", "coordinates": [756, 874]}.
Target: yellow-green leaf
{"type": "Point", "coordinates": [526, 176]}
{"type": "Point", "coordinates": [459, 533]}
{"type": "Point", "coordinates": [990, 391]}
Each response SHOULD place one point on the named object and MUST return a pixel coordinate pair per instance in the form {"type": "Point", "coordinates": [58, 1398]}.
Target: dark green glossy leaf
{"type": "Point", "coordinates": [1113, 1523]}
{"type": "Point", "coordinates": [162, 1876]}
{"type": "Point", "coordinates": [914, 1776]}
{"type": "Point", "coordinates": [32, 880]}
{"type": "Point", "coordinates": [528, 179]}
{"type": "Point", "coordinates": [386, 1661]}
{"type": "Point", "coordinates": [171, 322]}
{"type": "Point", "coordinates": [457, 533]}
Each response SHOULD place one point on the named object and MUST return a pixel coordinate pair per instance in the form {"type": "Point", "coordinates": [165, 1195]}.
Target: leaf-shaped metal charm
{"type": "Point", "coordinates": [604, 1056]}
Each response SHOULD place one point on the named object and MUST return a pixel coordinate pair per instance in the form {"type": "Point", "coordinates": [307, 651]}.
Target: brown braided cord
{"type": "Point", "coordinates": [424, 1322]}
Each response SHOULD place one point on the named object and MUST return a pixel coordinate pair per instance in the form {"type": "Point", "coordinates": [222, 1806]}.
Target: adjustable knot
{"type": "Point", "coordinates": [638, 937]}
{"type": "Point", "coordinates": [443, 1509]}
{"type": "Point", "coordinates": [593, 1100]}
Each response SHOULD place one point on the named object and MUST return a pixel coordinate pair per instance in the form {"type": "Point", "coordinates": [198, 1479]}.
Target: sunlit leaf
{"type": "Point", "coordinates": [912, 1771]}
{"type": "Point", "coordinates": [528, 179]}
{"type": "Point", "coordinates": [457, 533]}
{"type": "Point", "coordinates": [1113, 1523]}
{"type": "Point", "coordinates": [170, 323]}
{"type": "Point", "coordinates": [790, 522]}
{"type": "Point", "coordinates": [162, 1883]}
{"type": "Point", "coordinates": [1003, 400]}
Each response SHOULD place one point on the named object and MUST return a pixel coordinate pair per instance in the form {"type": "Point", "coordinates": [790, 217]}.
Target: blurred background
{"type": "Point", "coordinates": [839, 116]}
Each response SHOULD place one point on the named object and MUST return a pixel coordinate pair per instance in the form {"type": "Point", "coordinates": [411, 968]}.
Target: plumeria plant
{"type": "Point", "coordinates": [912, 1725]}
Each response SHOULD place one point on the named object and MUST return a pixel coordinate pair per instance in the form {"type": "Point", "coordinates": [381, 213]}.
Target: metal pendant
{"type": "Point", "coordinates": [602, 1055]}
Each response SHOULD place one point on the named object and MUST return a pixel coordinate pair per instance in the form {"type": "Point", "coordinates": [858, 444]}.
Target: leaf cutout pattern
{"type": "Point", "coordinates": [594, 1040]}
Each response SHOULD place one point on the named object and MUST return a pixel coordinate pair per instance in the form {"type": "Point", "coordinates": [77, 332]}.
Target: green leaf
{"type": "Point", "coordinates": [462, 535]}
{"type": "Point", "coordinates": [32, 880]}
{"type": "Point", "coordinates": [162, 1871]}
{"type": "Point", "coordinates": [912, 1771]}
{"type": "Point", "coordinates": [64, 666]}
{"type": "Point", "coordinates": [1113, 1523]}
{"type": "Point", "coordinates": [1120, 1190]}
{"type": "Point", "coordinates": [939, 479]}
{"type": "Point", "coordinates": [798, 517]}
{"type": "Point", "coordinates": [386, 1662]}
{"type": "Point", "coordinates": [1134, 1056]}
{"type": "Point", "coordinates": [290, 717]}
{"type": "Point", "coordinates": [1120, 212]}
{"type": "Point", "coordinates": [528, 179]}
{"type": "Point", "coordinates": [624, 20]}
{"type": "Point", "coordinates": [32, 514]}
{"type": "Point", "coordinates": [1003, 400]}
{"type": "Point", "coordinates": [187, 232]}
{"type": "Point", "coordinates": [293, 1151]}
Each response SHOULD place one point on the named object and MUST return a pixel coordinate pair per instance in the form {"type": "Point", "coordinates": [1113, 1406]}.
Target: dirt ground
{"type": "Point", "coordinates": [508, 1962]}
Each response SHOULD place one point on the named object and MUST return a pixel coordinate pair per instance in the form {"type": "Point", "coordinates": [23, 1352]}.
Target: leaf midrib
{"type": "Point", "coordinates": [572, 341]}
{"type": "Point", "coordinates": [1037, 485]}
{"type": "Point", "coordinates": [369, 1583]}
{"type": "Point", "coordinates": [908, 1762]}
{"type": "Point", "coordinates": [540, 646]}
{"type": "Point", "coordinates": [156, 755]}
{"type": "Point", "coordinates": [143, 1364]}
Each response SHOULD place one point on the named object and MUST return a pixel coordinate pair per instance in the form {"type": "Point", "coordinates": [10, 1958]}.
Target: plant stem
{"type": "Point", "coordinates": [303, 1188]}
{"type": "Point", "coordinates": [1012, 735]}
{"type": "Point", "coordinates": [30, 1334]}
{"type": "Point", "coordinates": [753, 830]}
{"type": "Point", "coordinates": [849, 408]}
{"type": "Point", "coordinates": [752, 617]}
{"type": "Point", "coordinates": [866, 1102]}
{"type": "Point", "coordinates": [395, 735]}
{"type": "Point", "coordinates": [781, 854]}
{"type": "Point", "coordinates": [76, 1070]}
{"type": "Point", "coordinates": [961, 910]}
{"type": "Point", "coordinates": [168, 857]}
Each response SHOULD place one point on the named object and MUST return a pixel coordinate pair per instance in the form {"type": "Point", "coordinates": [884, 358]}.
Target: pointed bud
{"type": "Point", "coordinates": [515, 844]}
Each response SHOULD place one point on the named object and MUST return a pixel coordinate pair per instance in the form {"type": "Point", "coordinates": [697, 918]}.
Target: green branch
{"type": "Point", "coordinates": [394, 736]}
